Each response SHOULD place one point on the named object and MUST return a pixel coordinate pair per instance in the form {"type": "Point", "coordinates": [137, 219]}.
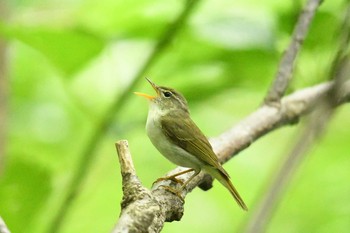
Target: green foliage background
{"type": "Point", "coordinates": [69, 60]}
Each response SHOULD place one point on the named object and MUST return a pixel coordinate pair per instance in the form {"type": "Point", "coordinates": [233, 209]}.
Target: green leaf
{"type": "Point", "coordinates": [132, 18]}
{"type": "Point", "coordinates": [68, 49]}
{"type": "Point", "coordinates": [25, 187]}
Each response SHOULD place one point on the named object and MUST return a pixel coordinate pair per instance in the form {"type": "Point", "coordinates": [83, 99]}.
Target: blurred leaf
{"type": "Point", "coordinates": [210, 69]}
{"type": "Point", "coordinates": [253, 68]}
{"type": "Point", "coordinates": [68, 49]}
{"type": "Point", "coordinates": [222, 61]}
{"type": "Point", "coordinates": [317, 38]}
{"type": "Point", "coordinates": [287, 18]}
{"type": "Point", "coordinates": [133, 18]}
{"type": "Point", "coordinates": [237, 33]}
{"type": "Point", "coordinates": [25, 186]}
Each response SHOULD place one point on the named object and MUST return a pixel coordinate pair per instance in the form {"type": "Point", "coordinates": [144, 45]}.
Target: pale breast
{"type": "Point", "coordinates": [169, 150]}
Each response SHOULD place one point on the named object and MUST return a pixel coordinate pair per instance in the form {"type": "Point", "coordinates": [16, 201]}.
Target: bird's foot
{"type": "Point", "coordinates": [172, 178]}
{"type": "Point", "coordinates": [173, 191]}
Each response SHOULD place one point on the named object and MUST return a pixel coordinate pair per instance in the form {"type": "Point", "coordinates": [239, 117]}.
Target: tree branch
{"type": "Point", "coordinates": [262, 121]}
{"type": "Point", "coordinates": [285, 69]}
{"type": "Point", "coordinates": [142, 210]}
{"type": "Point", "coordinates": [317, 123]}
{"type": "Point", "coordinates": [135, 197]}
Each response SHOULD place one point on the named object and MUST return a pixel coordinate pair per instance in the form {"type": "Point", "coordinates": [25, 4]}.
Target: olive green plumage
{"type": "Point", "coordinates": [172, 131]}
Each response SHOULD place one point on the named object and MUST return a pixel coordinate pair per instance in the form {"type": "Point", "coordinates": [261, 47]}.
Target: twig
{"type": "Point", "coordinates": [259, 123]}
{"type": "Point", "coordinates": [133, 192]}
{"type": "Point", "coordinates": [88, 153]}
{"type": "Point", "coordinates": [126, 165]}
{"type": "Point", "coordinates": [132, 187]}
{"type": "Point", "coordinates": [285, 69]}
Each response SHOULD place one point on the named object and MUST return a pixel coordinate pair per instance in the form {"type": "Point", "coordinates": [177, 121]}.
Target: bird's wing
{"type": "Point", "coordinates": [185, 134]}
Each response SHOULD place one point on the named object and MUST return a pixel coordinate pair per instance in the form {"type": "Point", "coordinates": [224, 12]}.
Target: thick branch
{"type": "Point", "coordinates": [259, 123]}
{"type": "Point", "coordinates": [285, 69]}
{"type": "Point", "coordinates": [142, 211]}
{"type": "Point", "coordinates": [135, 196]}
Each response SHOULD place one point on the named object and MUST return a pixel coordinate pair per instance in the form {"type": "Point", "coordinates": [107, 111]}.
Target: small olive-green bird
{"type": "Point", "coordinates": [172, 131]}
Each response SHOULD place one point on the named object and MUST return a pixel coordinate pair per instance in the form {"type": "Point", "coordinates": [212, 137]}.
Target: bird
{"type": "Point", "coordinates": [175, 135]}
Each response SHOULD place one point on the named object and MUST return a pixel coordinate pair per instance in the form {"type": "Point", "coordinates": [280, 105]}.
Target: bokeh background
{"type": "Point", "coordinates": [68, 61]}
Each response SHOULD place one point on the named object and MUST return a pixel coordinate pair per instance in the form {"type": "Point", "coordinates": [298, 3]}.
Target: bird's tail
{"type": "Point", "coordinates": [223, 178]}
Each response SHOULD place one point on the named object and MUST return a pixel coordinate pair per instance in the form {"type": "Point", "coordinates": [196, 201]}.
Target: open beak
{"type": "Point", "coordinates": [145, 95]}
{"type": "Point", "coordinates": [149, 97]}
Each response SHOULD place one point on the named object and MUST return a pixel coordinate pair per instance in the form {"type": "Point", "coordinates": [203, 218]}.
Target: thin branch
{"type": "Point", "coordinates": [126, 165]}
{"type": "Point", "coordinates": [317, 124]}
{"type": "Point", "coordinates": [88, 153]}
{"type": "Point", "coordinates": [262, 214]}
{"type": "Point", "coordinates": [259, 123]}
{"type": "Point", "coordinates": [285, 69]}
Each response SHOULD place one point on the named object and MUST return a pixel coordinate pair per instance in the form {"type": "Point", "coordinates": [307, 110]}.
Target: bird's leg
{"type": "Point", "coordinates": [178, 192]}
{"type": "Point", "coordinates": [173, 177]}
{"type": "Point", "coordinates": [174, 191]}
{"type": "Point", "coordinates": [196, 172]}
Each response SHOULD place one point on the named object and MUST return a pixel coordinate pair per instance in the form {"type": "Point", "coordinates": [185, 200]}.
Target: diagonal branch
{"type": "Point", "coordinates": [261, 122]}
{"type": "Point", "coordinates": [268, 118]}
{"type": "Point", "coordinates": [285, 69]}
{"type": "Point", "coordinates": [317, 123]}
{"type": "Point", "coordinates": [264, 120]}
{"type": "Point", "coordinates": [88, 153]}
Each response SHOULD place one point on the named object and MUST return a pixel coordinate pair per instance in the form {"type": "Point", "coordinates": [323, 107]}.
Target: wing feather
{"type": "Point", "coordinates": [185, 134]}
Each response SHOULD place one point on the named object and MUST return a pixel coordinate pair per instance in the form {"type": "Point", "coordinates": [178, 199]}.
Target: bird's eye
{"type": "Point", "coordinates": [167, 94]}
